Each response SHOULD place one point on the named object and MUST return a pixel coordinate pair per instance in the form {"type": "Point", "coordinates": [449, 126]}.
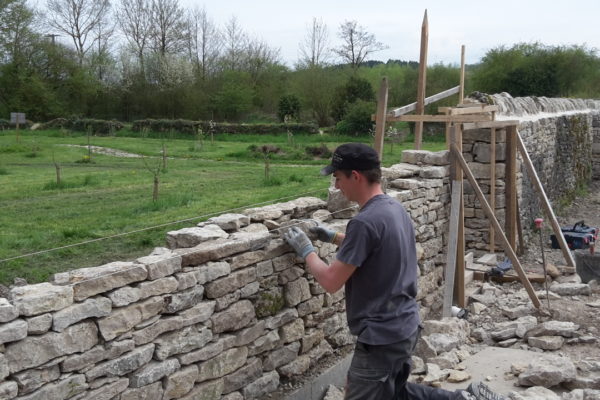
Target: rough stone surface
{"type": "Point", "coordinates": [190, 237]}
{"type": "Point", "coordinates": [223, 364]}
{"type": "Point", "coordinates": [37, 350]}
{"type": "Point", "coordinates": [548, 371]}
{"type": "Point", "coordinates": [8, 312]}
{"type": "Point", "coordinates": [41, 298]}
{"type": "Point", "coordinates": [124, 319]}
{"type": "Point", "coordinates": [211, 390]}
{"type": "Point", "coordinates": [88, 282]}
{"type": "Point", "coordinates": [8, 390]}
{"type": "Point", "coordinates": [180, 383]}
{"type": "Point", "coordinates": [125, 364]}
{"type": "Point", "coordinates": [185, 299]}
{"type": "Point", "coordinates": [237, 316]}
{"type": "Point", "coordinates": [158, 287]}
{"type": "Point", "coordinates": [95, 307]}
{"type": "Point", "coordinates": [181, 341]}
{"type": "Point", "coordinates": [150, 392]}
{"type": "Point", "coordinates": [124, 296]}
{"type": "Point", "coordinates": [13, 331]}
{"type": "Point", "coordinates": [30, 380]}
{"type": "Point", "coordinates": [39, 324]}
{"type": "Point", "coordinates": [161, 265]}
{"type": "Point", "coordinates": [108, 391]}
{"type": "Point", "coordinates": [243, 376]}
{"type": "Point", "coordinates": [152, 372]}
{"type": "Point", "coordinates": [262, 386]}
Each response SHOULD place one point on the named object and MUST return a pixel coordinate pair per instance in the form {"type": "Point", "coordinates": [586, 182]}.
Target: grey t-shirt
{"type": "Point", "coordinates": [380, 295]}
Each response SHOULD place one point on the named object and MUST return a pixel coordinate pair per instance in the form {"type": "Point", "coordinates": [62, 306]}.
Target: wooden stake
{"type": "Point", "coordinates": [510, 176]}
{"type": "Point", "coordinates": [488, 212]}
{"type": "Point", "coordinates": [452, 249]}
{"type": "Point", "coordinates": [545, 202]}
{"type": "Point", "coordinates": [459, 283]}
{"type": "Point", "coordinates": [380, 117]}
{"type": "Point", "coordinates": [461, 94]}
{"type": "Point", "coordinates": [422, 82]}
{"type": "Point", "coordinates": [492, 186]}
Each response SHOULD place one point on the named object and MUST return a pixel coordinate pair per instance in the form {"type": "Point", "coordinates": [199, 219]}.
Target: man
{"type": "Point", "coordinates": [377, 263]}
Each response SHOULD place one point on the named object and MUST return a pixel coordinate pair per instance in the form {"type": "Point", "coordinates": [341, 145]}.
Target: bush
{"type": "Point", "coordinates": [288, 105]}
{"type": "Point", "coordinates": [190, 127]}
{"type": "Point", "coordinates": [357, 120]}
{"type": "Point", "coordinates": [98, 126]}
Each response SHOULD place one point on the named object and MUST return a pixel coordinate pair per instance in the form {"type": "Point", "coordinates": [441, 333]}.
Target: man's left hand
{"type": "Point", "coordinates": [296, 238]}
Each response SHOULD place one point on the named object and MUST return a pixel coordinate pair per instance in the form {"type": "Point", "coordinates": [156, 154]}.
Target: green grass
{"type": "Point", "coordinates": [111, 195]}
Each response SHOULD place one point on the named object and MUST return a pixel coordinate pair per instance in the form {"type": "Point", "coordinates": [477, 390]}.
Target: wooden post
{"type": "Point", "coordinates": [456, 177]}
{"type": "Point", "coordinates": [488, 212]}
{"type": "Point", "coordinates": [422, 82]}
{"type": "Point", "coordinates": [492, 186]}
{"type": "Point", "coordinates": [452, 247]}
{"type": "Point", "coordinates": [380, 117]}
{"type": "Point", "coordinates": [461, 93]}
{"type": "Point", "coordinates": [545, 202]}
{"type": "Point", "coordinates": [510, 178]}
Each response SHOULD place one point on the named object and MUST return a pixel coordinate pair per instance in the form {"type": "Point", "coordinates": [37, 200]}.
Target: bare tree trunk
{"type": "Point", "coordinates": [164, 157]}
{"type": "Point", "coordinates": [155, 189]}
{"type": "Point", "coordinates": [57, 166]}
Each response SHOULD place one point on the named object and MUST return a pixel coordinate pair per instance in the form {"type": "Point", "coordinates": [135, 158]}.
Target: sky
{"type": "Point", "coordinates": [479, 25]}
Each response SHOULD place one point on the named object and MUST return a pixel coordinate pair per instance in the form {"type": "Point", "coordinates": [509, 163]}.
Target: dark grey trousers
{"type": "Point", "coordinates": [380, 372]}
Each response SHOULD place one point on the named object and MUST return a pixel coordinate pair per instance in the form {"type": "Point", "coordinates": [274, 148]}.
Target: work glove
{"type": "Point", "coordinates": [323, 234]}
{"type": "Point", "coordinates": [296, 238]}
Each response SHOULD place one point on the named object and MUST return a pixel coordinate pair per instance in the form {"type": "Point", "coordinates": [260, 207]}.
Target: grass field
{"type": "Point", "coordinates": [105, 195]}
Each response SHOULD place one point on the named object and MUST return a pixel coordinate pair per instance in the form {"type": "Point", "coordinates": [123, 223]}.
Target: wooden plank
{"type": "Point", "coordinates": [510, 190]}
{"type": "Point", "coordinates": [492, 186]}
{"type": "Point", "coordinates": [441, 118]}
{"type": "Point", "coordinates": [545, 202]}
{"type": "Point", "coordinates": [421, 86]}
{"type": "Point", "coordinates": [479, 109]}
{"type": "Point", "coordinates": [382, 100]}
{"type": "Point", "coordinates": [488, 212]}
{"type": "Point", "coordinates": [396, 112]}
{"type": "Point", "coordinates": [459, 286]}
{"type": "Point", "coordinates": [521, 246]}
{"type": "Point", "coordinates": [489, 124]}
{"type": "Point", "coordinates": [538, 278]}
{"type": "Point", "coordinates": [461, 93]}
{"type": "Point", "coordinates": [451, 252]}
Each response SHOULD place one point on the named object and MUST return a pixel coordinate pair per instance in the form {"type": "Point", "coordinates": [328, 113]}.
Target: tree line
{"type": "Point", "coordinates": [139, 59]}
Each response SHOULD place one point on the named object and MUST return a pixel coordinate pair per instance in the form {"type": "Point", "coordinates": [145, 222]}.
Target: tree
{"type": "Point", "coordinates": [204, 42]}
{"type": "Point", "coordinates": [314, 50]}
{"type": "Point", "coordinates": [134, 21]}
{"type": "Point", "coordinates": [16, 34]}
{"type": "Point", "coordinates": [357, 44]}
{"type": "Point", "coordinates": [77, 19]}
{"type": "Point", "coordinates": [168, 27]}
{"type": "Point", "coordinates": [235, 42]}
{"type": "Point", "coordinates": [289, 106]}
{"type": "Point", "coordinates": [355, 89]}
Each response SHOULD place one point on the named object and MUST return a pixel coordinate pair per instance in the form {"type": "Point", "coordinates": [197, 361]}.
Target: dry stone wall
{"type": "Point", "coordinates": [226, 311]}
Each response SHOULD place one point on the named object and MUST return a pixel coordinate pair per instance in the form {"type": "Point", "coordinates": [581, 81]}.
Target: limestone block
{"type": "Point", "coordinates": [281, 356]}
{"type": "Point", "coordinates": [95, 355]}
{"type": "Point", "coordinates": [311, 338]}
{"type": "Point", "coordinates": [482, 152]}
{"type": "Point", "coordinates": [435, 172]}
{"type": "Point", "coordinates": [292, 331]}
{"type": "Point", "coordinates": [437, 158]}
{"type": "Point", "coordinates": [297, 367]}
{"type": "Point", "coordinates": [8, 390]}
{"type": "Point", "coordinates": [109, 391]}
{"type": "Point", "coordinates": [37, 350]}
{"type": "Point", "coordinates": [88, 282]}
{"type": "Point", "coordinates": [243, 376]}
{"type": "Point", "coordinates": [482, 171]}
{"type": "Point", "coordinates": [186, 299]}
{"type": "Point", "coordinates": [456, 327]}
{"type": "Point", "coordinates": [405, 183]}
{"type": "Point", "coordinates": [125, 364]}
{"type": "Point", "coordinates": [283, 262]}
{"type": "Point", "coordinates": [332, 325]}
{"type": "Point", "coordinates": [289, 274]}
{"type": "Point", "coordinates": [264, 343]}
{"type": "Point", "coordinates": [39, 324]}
{"type": "Point", "coordinates": [548, 371]}
{"type": "Point", "coordinates": [341, 338]}
{"type": "Point", "coordinates": [13, 331]}
{"type": "Point", "coordinates": [249, 290]}
{"type": "Point", "coordinates": [296, 292]}
{"type": "Point", "coordinates": [152, 372]}
{"type": "Point", "coordinates": [571, 289]}
{"type": "Point", "coordinates": [546, 342]}
{"type": "Point", "coordinates": [250, 334]}
{"type": "Point", "coordinates": [230, 221]}
{"type": "Point", "coordinates": [310, 306]}
{"type": "Point", "coordinates": [186, 280]}
{"type": "Point", "coordinates": [199, 313]}
{"type": "Point", "coordinates": [400, 170]}
{"type": "Point", "coordinates": [8, 312]}
{"type": "Point", "coordinates": [221, 248]}
{"type": "Point", "coordinates": [182, 341]}
{"type": "Point", "coordinates": [227, 300]}
{"type": "Point", "coordinates": [190, 237]}
{"type": "Point", "coordinates": [124, 296]}
{"type": "Point", "coordinates": [282, 318]}
{"type": "Point", "coordinates": [94, 307]}
{"type": "Point", "coordinates": [180, 383]}
{"type": "Point", "coordinates": [124, 319]}
{"type": "Point", "coordinates": [63, 389]}
{"type": "Point", "coordinates": [150, 392]}
{"type": "Point", "coordinates": [258, 214]}
{"type": "Point", "coordinates": [211, 390]}
{"type": "Point", "coordinates": [148, 334]}
{"type": "Point", "coordinates": [4, 371]}
{"type": "Point", "coordinates": [230, 283]}
{"type": "Point", "coordinates": [237, 316]}
{"type": "Point", "coordinates": [339, 206]}
{"type": "Point", "coordinates": [554, 328]}
{"type": "Point", "coordinates": [32, 379]}
{"type": "Point", "coordinates": [211, 271]}
{"type": "Point", "coordinates": [203, 354]}
{"type": "Point", "coordinates": [415, 157]}
{"type": "Point", "coordinates": [261, 387]}
{"type": "Point", "coordinates": [161, 265]}
{"type": "Point", "coordinates": [158, 287]}
{"type": "Point", "coordinates": [41, 298]}
{"type": "Point", "coordinates": [223, 364]}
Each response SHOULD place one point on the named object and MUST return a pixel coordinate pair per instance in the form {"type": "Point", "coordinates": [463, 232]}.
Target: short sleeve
{"type": "Point", "coordinates": [357, 244]}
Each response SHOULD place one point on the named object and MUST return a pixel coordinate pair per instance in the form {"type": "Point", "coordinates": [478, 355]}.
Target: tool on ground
{"type": "Point", "coordinates": [501, 269]}
{"type": "Point", "coordinates": [538, 225]}
{"type": "Point", "coordinates": [578, 236]}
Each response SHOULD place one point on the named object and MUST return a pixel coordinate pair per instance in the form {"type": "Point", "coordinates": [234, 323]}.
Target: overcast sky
{"type": "Point", "coordinates": [479, 25]}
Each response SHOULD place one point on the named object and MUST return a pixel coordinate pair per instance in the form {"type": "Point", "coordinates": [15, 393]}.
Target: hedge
{"type": "Point", "coordinates": [192, 127]}
{"type": "Point", "coordinates": [98, 126]}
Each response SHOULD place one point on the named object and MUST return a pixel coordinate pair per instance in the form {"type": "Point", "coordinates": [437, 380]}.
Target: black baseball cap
{"type": "Point", "coordinates": [352, 156]}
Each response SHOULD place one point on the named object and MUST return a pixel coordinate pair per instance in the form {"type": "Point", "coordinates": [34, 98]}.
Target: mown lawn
{"type": "Point", "coordinates": [107, 195]}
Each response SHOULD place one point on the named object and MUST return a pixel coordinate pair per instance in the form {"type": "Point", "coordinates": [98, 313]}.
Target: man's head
{"type": "Point", "coordinates": [355, 157]}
